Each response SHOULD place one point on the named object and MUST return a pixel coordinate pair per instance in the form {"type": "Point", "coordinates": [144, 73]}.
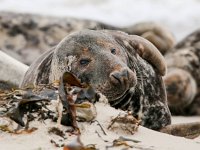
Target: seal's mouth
{"type": "Point", "coordinates": [118, 97]}
{"type": "Point", "coordinates": [124, 100]}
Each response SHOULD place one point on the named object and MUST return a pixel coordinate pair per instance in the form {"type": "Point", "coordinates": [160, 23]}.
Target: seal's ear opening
{"type": "Point", "coordinates": [143, 47]}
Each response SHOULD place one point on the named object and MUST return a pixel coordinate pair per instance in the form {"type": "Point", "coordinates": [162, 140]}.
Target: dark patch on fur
{"type": "Point", "coordinates": [42, 76]}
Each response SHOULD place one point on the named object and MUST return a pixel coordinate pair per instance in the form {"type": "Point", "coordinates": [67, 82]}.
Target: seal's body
{"type": "Point", "coordinates": [126, 69]}
{"type": "Point", "coordinates": [183, 77]}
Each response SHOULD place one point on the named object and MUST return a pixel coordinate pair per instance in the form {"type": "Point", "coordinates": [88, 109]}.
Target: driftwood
{"type": "Point", "coordinates": [11, 70]}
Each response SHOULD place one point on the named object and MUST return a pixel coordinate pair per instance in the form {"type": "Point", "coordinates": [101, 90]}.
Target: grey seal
{"type": "Point", "coordinates": [127, 69]}
{"type": "Point", "coordinates": [183, 77]}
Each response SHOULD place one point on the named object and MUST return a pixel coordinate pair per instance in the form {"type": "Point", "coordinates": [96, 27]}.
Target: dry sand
{"type": "Point", "coordinates": [93, 134]}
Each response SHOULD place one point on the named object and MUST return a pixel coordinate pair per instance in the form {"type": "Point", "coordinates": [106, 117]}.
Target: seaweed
{"type": "Point", "coordinates": [70, 92]}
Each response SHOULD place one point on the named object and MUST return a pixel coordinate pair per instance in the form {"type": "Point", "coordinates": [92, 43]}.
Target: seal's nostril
{"type": "Point", "coordinates": [125, 74]}
{"type": "Point", "coordinates": [119, 76]}
{"type": "Point", "coordinates": [116, 76]}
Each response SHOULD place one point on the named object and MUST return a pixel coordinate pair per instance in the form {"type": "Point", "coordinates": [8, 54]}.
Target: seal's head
{"type": "Point", "coordinates": [98, 58]}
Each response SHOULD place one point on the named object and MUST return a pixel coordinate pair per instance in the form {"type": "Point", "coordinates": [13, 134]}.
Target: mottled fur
{"type": "Point", "coordinates": [183, 77]}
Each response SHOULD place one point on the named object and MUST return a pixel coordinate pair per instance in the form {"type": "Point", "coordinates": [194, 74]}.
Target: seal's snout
{"type": "Point", "coordinates": [123, 77]}
{"type": "Point", "coordinates": [181, 88]}
{"type": "Point", "coordinates": [119, 76]}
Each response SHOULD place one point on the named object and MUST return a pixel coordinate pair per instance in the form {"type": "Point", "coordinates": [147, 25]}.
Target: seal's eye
{"type": "Point", "coordinates": [113, 51]}
{"type": "Point", "coordinates": [85, 61]}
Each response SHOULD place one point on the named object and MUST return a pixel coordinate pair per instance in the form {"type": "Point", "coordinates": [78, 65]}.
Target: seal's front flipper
{"type": "Point", "coordinates": [187, 130]}
{"type": "Point", "coordinates": [156, 33]}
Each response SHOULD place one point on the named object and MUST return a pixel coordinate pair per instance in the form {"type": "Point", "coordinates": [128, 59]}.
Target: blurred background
{"type": "Point", "coordinates": [180, 16]}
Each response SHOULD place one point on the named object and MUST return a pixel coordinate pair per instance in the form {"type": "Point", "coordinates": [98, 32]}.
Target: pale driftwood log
{"type": "Point", "coordinates": [11, 70]}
